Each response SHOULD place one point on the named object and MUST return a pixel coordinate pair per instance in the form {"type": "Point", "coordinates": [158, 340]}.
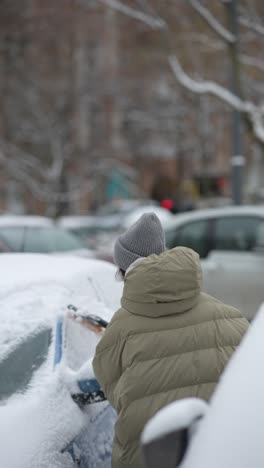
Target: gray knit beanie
{"type": "Point", "coordinates": [142, 239]}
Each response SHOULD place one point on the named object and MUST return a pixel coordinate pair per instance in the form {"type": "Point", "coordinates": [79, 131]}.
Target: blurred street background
{"type": "Point", "coordinates": [108, 100]}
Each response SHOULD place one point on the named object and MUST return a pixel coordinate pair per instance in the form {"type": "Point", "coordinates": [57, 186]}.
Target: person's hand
{"type": "Point", "coordinates": [86, 323]}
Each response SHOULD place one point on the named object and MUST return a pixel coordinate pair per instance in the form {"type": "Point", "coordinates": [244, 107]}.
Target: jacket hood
{"type": "Point", "coordinates": [163, 284]}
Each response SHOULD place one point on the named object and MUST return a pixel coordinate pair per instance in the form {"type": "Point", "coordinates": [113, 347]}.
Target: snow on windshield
{"type": "Point", "coordinates": [35, 289]}
{"type": "Point", "coordinates": [40, 427]}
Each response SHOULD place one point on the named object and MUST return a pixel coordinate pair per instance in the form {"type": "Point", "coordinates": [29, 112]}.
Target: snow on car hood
{"type": "Point", "coordinates": [34, 289]}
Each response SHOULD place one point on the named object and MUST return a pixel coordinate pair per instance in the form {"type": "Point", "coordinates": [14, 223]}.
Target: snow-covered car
{"type": "Point", "coordinates": [38, 234]}
{"type": "Point", "coordinates": [228, 432]}
{"type": "Point", "coordinates": [41, 425]}
{"type": "Point", "coordinates": [230, 242]}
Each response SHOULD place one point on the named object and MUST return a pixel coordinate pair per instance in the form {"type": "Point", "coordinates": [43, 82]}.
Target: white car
{"type": "Point", "coordinates": [40, 423]}
{"type": "Point", "coordinates": [228, 432]}
{"type": "Point", "coordinates": [164, 215]}
{"type": "Point", "coordinates": [230, 242]}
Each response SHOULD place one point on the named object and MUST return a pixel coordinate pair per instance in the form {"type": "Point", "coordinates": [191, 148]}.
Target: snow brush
{"type": "Point", "coordinates": [93, 322]}
{"type": "Point", "coordinates": [90, 390]}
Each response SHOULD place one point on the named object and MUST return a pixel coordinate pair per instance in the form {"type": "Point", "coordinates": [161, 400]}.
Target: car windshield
{"type": "Point", "coordinates": [17, 369]}
{"type": "Point", "coordinates": [43, 239]}
{"type": "Point", "coordinates": [91, 236]}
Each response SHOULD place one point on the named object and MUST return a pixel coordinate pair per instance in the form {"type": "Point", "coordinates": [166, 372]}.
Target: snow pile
{"type": "Point", "coordinates": [36, 427]}
{"type": "Point", "coordinates": [174, 417]}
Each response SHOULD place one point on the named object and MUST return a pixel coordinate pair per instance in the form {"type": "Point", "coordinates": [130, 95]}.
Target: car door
{"type": "Point", "coordinates": [193, 234]}
{"type": "Point", "coordinates": [11, 238]}
{"type": "Point", "coordinates": [234, 270]}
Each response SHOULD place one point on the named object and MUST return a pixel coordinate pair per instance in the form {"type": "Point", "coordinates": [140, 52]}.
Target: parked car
{"type": "Point", "coordinates": [38, 235]}
{"type": "Point", "coordinates": [124, 207]}
{"type": "Point", "coordinates": [228, 432]}
{"type": "Point", "coordinates": [95, 231]}
{"type": "Point", "coordinates": [163, 214]}
{"type": "Point", "coordinates": [38, 417]}
{"type": "Point", "coordinates": [230, 242]}
{"type": "Point", "coordinates": [89, 229]}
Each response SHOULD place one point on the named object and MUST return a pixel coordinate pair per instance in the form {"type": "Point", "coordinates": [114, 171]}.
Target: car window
{"type": "Point", "coordinates": [171, 237]}
{"type": "Point", "coordinates": [194, 235]}
{"type": "Point", "coordinates": [17, 369]}
{"type": "Point", "coordinates": [236, 233]}
{"type": "Point", "coordinates": [86, 234]}
{"type": "Point", "coordinates": [13, 237]}
{"type": "Point", "coordinates": [4, 247]}
{"type": "Point", "coordinates": [50, 239]}
{"type": "Point", "coordinates": [84, 231]}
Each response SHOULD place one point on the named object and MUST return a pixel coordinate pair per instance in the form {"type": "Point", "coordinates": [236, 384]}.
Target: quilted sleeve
{"type": "Point", "coordinates": [107, 364]}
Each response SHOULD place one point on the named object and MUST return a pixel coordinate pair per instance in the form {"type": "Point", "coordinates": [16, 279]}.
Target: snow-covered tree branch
{"type": "Point", "coordinates": [253, 26]}
{"type": "Point", "coordinates": [252, 62]}
{"type": "Point", "coordinates": [154, 23]}
{"type": "Point", "coordinates": [106, 93]}
{"type": "Point", "coordinates": [255, 113]}
{"type": "Point", "coordinates": [210, 19]}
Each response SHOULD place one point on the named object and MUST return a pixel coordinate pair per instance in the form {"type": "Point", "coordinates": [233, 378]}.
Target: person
{"type": "Point", "coordinates": [168, 340]}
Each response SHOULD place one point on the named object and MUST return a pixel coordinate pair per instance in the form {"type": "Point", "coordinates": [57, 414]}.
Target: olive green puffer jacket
{"type": "Point", "coordinates": [168, 341]}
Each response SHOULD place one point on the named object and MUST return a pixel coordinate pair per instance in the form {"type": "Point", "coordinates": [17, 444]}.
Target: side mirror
{"type": "Point", "coordinates": [166, 436]}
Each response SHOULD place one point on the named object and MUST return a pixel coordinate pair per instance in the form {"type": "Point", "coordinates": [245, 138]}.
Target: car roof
{"type": "Point", "coordinates": [77, 221]}
{"type": "Point", "coordinates": [29, 221]}
{"type": "Point", "coordinates": [164, 215]}
{"type": "Point", "coordinates": [248, 210]}
{"type": "Point", "coordinates": [29, 268]}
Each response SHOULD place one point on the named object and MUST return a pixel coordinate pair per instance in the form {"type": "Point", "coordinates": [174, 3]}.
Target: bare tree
{"type": "Point", "coordinates": [245, 103]}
